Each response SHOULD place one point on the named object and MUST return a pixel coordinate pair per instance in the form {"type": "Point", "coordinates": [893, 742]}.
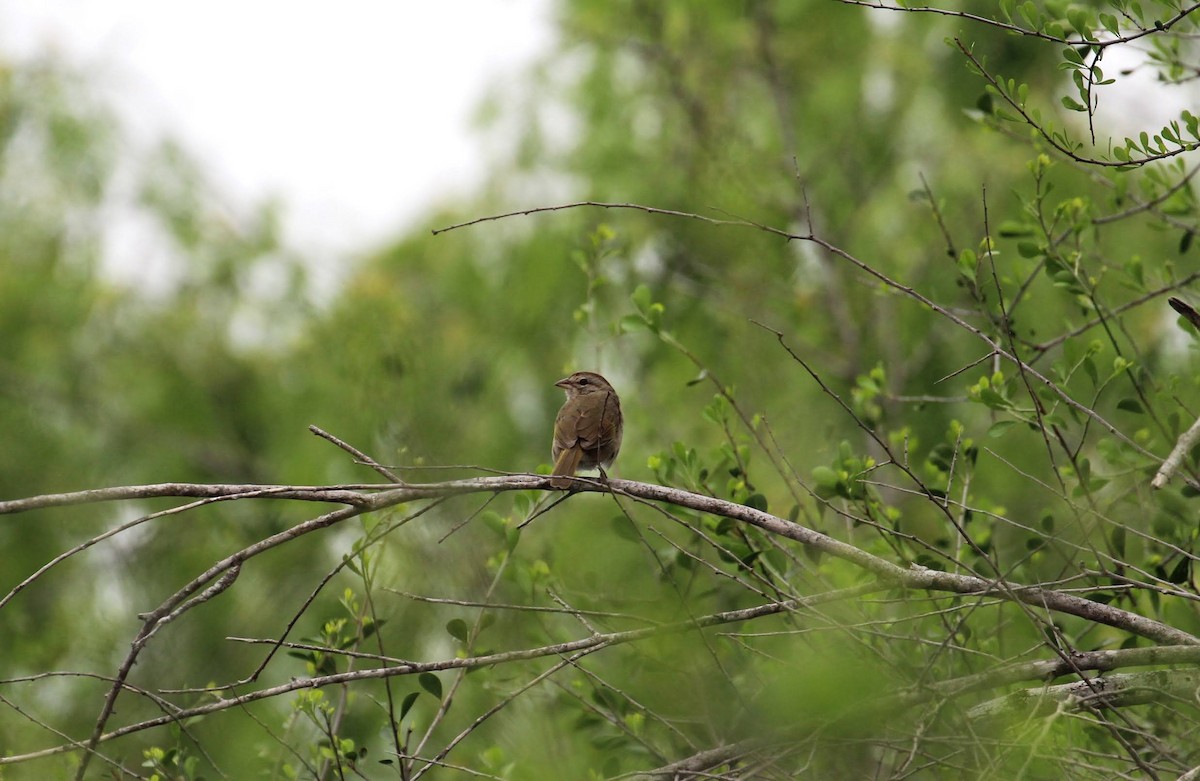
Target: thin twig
{"type": "Point", "coordinates": [360, 456]}
{"type": "Point", "coordinates": [1183, 446]}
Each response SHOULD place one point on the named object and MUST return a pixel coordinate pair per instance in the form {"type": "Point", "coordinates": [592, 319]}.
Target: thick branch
{"type": "Point", "coordinates": [913, 577]}
{"type": "Point", "coordinates": [369, 498]}
{"type": "Point", "coordinates": [1109, 691]}
{"type": "Point", "coordinates": [335, 494]}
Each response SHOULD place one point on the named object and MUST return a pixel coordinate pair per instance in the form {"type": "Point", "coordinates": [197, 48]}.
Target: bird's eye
{"type": "Point", "coordinates": [583, 380]}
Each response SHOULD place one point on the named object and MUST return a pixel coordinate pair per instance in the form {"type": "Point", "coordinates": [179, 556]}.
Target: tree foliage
{"type": "Point", "coordinates": [883, 290]}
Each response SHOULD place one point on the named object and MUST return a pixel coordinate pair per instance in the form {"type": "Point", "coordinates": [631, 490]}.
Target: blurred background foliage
{"type": "Point", "coordinates": [865, 127]}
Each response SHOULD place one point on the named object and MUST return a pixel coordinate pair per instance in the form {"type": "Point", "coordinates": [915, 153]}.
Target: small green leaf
{"type": "Point", "coordinates": [756, 501]}
{"type": "Point", "coordinates": [1000, 428]}
{"type": "Point", "coordinates": [1030, 12]}
{"type": "Point", "coordinates": [457, 628]}
{"type": "Point", "coordinates": [1131, 405]}
{"type": "Point", "coordinates": [623, 528]}
{"type": "Point", "coordinates": [1011, 229]}
{"type": "Point", "coordinates": [1029, 249]}
{"type": "Point", "coordinates": [967, 262]}
{"type": "Point", "coordinates": [1079, 20]}
{"type": "Point", "coordinates": [1192, 122]}
{"type": "Point", "coordinates": [1089, 368]}
{"type": "Point", "coordinates": [407, 704]}
{"type": "Point", "coordinates": [630, 323]}
{"type": "Point", "coordinates": [825, 478]}
{"type": "Point", "coordinates": [430, 683]}
{"type": "Point", "coordinates": [641, 298]}
{"type": "Point", "coordinates": [1117, 540]}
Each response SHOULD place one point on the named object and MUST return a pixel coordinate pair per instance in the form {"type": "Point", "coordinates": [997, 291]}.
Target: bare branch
{"type": "Point", "coordinates": [1013, 28]}
{"type": "Point", "coordinates": [360, 456]}
{"type": "Point", "coordinates": [913, 577]}
{"type": "Point", "coordinates": [1187, 440]}
{"type": "Point", "coordinates": [335, 494]}
{"type": "Point", "coordinates": [1109, 691]}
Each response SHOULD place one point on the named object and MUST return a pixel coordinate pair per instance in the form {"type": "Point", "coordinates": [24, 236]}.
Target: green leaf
{"type": "Point", "coordinates": [1030, 249]}
{"type": "Point", "coordinates": [407, 704]}
{"type": "Point", "coordinates": [1192, 122]}
{"type": "Point", "coordinates": [494, 522]}
{"type": "Point", "coordinates": [430, 683]}
{"type": "Point", "coordinates": [1032, 17]}
{"type": "Point", "coordinates": [1131, 405]}
{"type": "Point", "coordinates": [1135, 269]}
{"type": "Point", "coordinates": [1079, 20]}
{"type": "Point", "coordinates": [825, 478]}
{"type": "Point", "coordinates": [1072, 104]}
{"type": "Point", "coordinates": [1117, 539]}
{"type": "Point", "coordinates": [1011, 229]}
{"type": "Point", "coordinates": [457, 628]}
{"type": "Point", "coordinates": [967, 262]}
{"type": "Point", "coordinates": [756, 501]}
{"type": "Point", "coordinates": [1000, 428]}
{"type": "Point", "coordinates": [623, 528]}
{"type": "Point", "coordinates": [630, 323]}
{"type": "Point", "coordinates": [641, 298]}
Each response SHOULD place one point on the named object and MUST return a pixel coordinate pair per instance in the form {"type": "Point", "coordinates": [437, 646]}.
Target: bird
{"type": "Point", "coordinates": [588, 429]}
{"type": "Point", "coordinates": [1187, 310]}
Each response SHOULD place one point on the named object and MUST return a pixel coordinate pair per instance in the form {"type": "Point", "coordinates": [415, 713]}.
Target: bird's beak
{"type": "Point", "coordinates": [563, 383]}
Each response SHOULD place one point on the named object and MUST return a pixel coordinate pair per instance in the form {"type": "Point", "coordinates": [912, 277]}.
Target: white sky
{"type": "Point", "coordinates": [355, 114]}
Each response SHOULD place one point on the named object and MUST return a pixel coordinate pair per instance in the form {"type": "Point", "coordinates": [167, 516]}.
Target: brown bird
{"type": "Point", "coordinates": [1187, 310]}
{"type": "Point", "coordinates": [588, 429]}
